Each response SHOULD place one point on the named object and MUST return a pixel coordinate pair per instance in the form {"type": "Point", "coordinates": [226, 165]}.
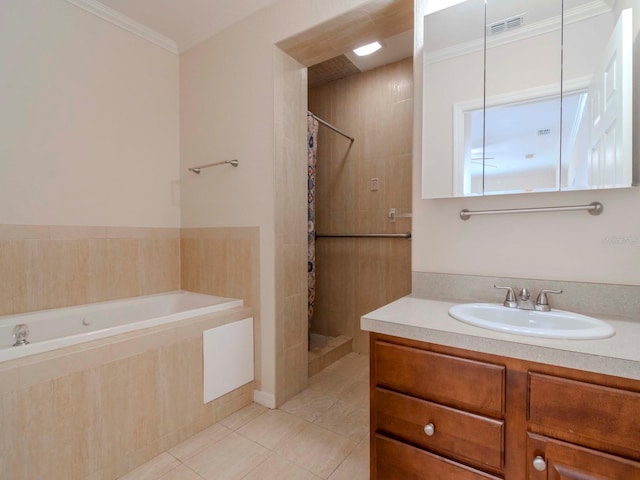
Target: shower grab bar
{"type": "Point", "coordinates": [335, 129]}
{"type": "Point", "coordinates": [233, 163]}
{"type": "Point", "coordinates": [594, 208]}
{"type": "Point", "coordinates": [365, 235]}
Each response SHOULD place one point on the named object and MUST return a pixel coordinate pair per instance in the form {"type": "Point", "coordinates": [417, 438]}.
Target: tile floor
{"type": "Point", "coordinates": [322, 433]}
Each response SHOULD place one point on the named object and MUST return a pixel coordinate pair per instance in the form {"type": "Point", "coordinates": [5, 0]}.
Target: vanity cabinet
{"type": "Point", "coordinates": [440, 412]}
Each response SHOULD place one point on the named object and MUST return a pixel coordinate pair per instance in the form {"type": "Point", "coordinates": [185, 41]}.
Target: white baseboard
{"type": "Point", "coordinates": [265, 399]}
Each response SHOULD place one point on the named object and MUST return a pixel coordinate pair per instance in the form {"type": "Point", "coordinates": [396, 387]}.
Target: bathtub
{"type": "Point", "coordinates": [62, 327]}
{"type": "Point", "coordinates": [140, 377]}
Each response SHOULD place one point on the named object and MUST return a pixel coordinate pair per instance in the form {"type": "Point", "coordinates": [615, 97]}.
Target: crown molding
{"type": "Point", "coordinates": [116, 18]}
{"type": "Point", "coordinates": [583, 12]}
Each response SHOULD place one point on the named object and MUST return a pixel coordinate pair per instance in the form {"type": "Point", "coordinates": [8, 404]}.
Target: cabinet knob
{"type": "Point", "coordinates": [430, 429]}
{"type": "Point", "coordinates": [539, 464]}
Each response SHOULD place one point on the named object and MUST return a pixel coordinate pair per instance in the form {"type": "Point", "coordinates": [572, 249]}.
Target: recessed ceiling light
{"type": "Point", "coordinates": [367, 49]}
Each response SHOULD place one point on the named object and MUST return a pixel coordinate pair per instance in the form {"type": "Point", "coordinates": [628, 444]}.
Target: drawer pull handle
{"type": "Point", "coordinates": [430, 429]}
{"type": "Point", "coordinates": [539, 464]}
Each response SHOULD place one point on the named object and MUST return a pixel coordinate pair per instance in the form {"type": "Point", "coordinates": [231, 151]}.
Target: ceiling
{"type": "Point", "coordinates": [187, 22]}
{"type": "Point", "coordinates": [180, 25]}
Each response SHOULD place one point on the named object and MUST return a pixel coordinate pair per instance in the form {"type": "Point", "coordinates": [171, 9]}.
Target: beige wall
{"type": "Point", "coordinates": [355, 276]}
{"type": "Point", "coordinates": [89, 130]}
{"type": "Point", "coordinates": [559, 246]}
{"type": "Point", "coordinates": [227, 111]}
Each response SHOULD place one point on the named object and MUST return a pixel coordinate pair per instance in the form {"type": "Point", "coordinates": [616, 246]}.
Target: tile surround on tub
{"type": "Point", "coordinates": [72, 416]}
{"type": "Point", "coordinates": [56, 266]}
{"type": "Point", "coordinates": [589, 298]}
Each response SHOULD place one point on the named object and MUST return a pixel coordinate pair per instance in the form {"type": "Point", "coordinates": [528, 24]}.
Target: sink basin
{"type": "Point", "coordinates": [553, 324]}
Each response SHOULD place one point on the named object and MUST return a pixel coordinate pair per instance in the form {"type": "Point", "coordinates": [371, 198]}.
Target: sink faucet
{"type": "Point", "coordinates": [524, 300]}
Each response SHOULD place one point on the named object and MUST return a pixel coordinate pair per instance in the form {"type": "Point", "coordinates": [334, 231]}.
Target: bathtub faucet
{"type": "Point", "coordinates": [20, 335]}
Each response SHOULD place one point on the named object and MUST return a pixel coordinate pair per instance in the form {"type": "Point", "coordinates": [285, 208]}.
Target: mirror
{"type": "Point", "coordinates": [523, 96]}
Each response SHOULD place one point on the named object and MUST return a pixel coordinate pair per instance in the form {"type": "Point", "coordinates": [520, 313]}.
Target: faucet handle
{"type": "Point", "coordinates": [542, 303]}
{"type": "Point", "coordinates": [510, 300]}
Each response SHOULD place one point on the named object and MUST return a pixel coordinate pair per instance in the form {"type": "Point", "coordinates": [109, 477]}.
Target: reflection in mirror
{"type": "Point", "coordinates": [522, 96]}
{"type": "Point", "coordinates": [597, 137]}
{"type": "Point", "coordinates": [521, 150]}
{"type": "Point", "coordinates": [453, 75]}
{"type": "Point", "coordinates": [557, 111]}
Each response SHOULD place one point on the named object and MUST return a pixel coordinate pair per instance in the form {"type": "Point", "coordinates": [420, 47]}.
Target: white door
{"type": "Point", "coordinates": [610, 110]}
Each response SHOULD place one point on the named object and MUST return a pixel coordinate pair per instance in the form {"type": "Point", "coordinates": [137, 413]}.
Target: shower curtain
{"type": "Point", "coordinates": [312, 147]}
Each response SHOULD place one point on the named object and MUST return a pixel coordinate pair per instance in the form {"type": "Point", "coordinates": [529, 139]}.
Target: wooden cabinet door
{"type": "Point", "coordinates": [598, 417]}
{"type": "Point", "coordinates": [565, 461]}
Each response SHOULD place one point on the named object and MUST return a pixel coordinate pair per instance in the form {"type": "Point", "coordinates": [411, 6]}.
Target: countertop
{"type": "Point", "coordinates": [419, 318]}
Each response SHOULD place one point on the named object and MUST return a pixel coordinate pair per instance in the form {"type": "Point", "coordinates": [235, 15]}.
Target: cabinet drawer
{"type": "Point", "coordinates": [571, 462]}
{"type": "Point", "coordinates": [592, 415]}
{"type": "Point", "coordinates": [398, 461]}
{"type": "Point", "coordinates": [463, 436]}
{"type": "Point", "coordinates": [445, 379]}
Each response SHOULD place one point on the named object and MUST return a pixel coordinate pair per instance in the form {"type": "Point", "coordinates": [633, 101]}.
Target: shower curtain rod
{"type": "Point", "coordinates": [328, 125]}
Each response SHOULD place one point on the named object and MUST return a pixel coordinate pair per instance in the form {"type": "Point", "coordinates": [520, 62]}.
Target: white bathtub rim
{"type": "Point", "coordinates": [104, 305]}
{"type": "Point", "coordinates": [12, 353]}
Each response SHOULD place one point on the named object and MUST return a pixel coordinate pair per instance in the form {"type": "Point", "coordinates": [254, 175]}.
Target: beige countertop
{"type": "Point", "coordinates": [428, 320]}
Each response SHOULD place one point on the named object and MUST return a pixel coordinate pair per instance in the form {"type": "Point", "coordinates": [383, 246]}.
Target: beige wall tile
{"type": "Point", "coordinates": [295, 330]}
{"type": "Point", "coordinates": [402, 127]}
{"type": "Point", "coordinates": [190, 264]}
{"type": "Point", "coordinates": [113, 271]}
{"type": "Point", "coordinates": [57, 273]}
{"type": "Point", "coordinates": [159, 265]}
{"type": "Point", "coordinates": [55, 266]}
{"type": "Point", "coordinates": [214, 266]}
{"type": "Point", "coordinates": [295, 373]}
{"type": "Point", "coordinates": [294, 270]}
{"type": "Point", "coordinates": [13, 280]}
{"type": "Point", "coordinates": [239, 270]}
{"type": "Point", "coordinates": [356, 276]}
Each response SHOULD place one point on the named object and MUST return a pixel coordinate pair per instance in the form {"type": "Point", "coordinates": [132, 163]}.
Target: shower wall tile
{"type": "Point", "coordinates": [355, 276]}
{"type": "Point", "coordinates": [398, 174]}
{"type": "Point", "coordinates": [56, 266]}
{"type": "Point", "coordinates": [402, 127]}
